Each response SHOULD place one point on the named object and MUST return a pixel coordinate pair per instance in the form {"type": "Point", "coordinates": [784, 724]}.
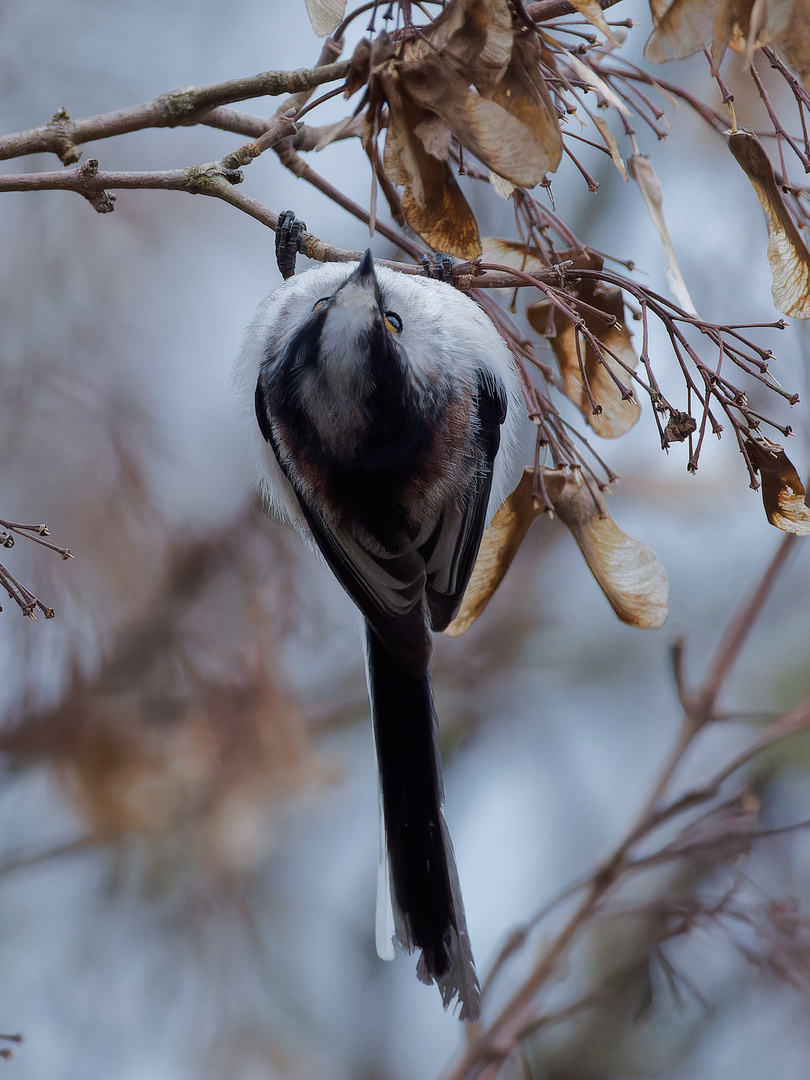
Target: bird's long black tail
{"type": "Point", "coordinates": [428, 910]}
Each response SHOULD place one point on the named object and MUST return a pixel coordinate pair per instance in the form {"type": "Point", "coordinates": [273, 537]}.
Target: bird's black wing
{"type": "Point", "coordinates": [451, 552]}
{"type": "Point", "coordinates": [388, 589]}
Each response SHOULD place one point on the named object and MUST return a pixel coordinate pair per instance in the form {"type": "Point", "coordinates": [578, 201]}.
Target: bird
{"type": "Point", "coordinates": [388, 413]}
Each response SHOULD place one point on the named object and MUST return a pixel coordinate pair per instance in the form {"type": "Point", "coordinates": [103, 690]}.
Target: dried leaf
{"type": "Point", "coordinates": [512, 127]}
{"type": "Point", "coordinates": [498, 249]}
{"type": "Point", "coordinates": [627, 571]}
{"type": "Point", "coordinates": [595, 16]}
{"type": "Point", "coordinates": [611, 144]}
{"type": "Point", "coordinates": [644, 175]}
{"type": "Point", "coordinates": [522, 92]}
{"type": "Point", "coordinates": [499, 545]}
{"type": "Point", "coordinates": [366, 55]}
{"type": "Point", "coordinates": [432, 201]}
{"type": "Point", "coordinates": [482, 77]}
{"type": "Point", "coordinates": [757, 27]}
{"type": "Point", "coordinates": [474, 76]}
{"type": "Point", "coordinates": [325, 15]}
{"type": "Point", "coordinates": [505, 143]}
{"type": "Point", "coordinates": [477, 35]}
{"type": "Point", "coordinates": [617, 414]}
{"type": "Point", "coordinates": [435, 136]}
{"type": "Point", "coordinates": [500, 186]}
{"type": "Point", "coordinates": [679, 426]}
{"type": "Point", "coordinates": [531, 259]}
{"type": "Point", "coordinates": [688, 26]}
{"type": "Point", "coordinates": [682, 29]}
{"type": "Point", "coordinates": [782, 488]}
{"type": "Point", "coordinates": [787, 253]}
{"type": "Point", "coordinates": [793, 40]}
{"type": "Point", "coordinates": [348, 127]}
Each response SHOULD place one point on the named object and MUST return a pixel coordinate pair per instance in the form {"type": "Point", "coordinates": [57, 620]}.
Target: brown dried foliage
{"type": "Point", "coordinates": [782, 489]}
{"type": "Point", "coordinates": [471, 79]}
{"type": "Point", "coordinates": [787, 251]}
{"type": "Point", "coordinates": [186, 726]}
{"type": "Point", "coordinates": [627, 571]}
{"type": "Point", "coordinates": [325, 15]}
{"type": "Point", "coordinates": [595, 367]}
{"type": "Point", "coordinates": [684, 27]}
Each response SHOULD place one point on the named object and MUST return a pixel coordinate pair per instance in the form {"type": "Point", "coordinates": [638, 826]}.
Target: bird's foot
{"type": "Point", "coordinates": [438, 266]}
{"type": "Point", "coordinates": [289, 238]}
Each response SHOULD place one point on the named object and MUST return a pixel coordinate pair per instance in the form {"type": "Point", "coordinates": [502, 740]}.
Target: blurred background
{"type": "Point", "coordinates": [188, 807]}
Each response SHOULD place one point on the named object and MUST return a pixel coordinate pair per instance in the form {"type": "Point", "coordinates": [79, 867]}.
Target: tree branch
{"type": "Point", "coordinates": [186, 105]}
{"type": "Point", "coordinates": [483, 1058]}
{"type": "Point", "coordinates": [544, 10]}
{"type": "Point", "coordinates": [87, 180]}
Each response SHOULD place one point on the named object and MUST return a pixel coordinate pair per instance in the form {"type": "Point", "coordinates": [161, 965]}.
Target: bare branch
{"type": "Point", "coordinates": [486, 1053]}
{"type": "Point", "coordinates": [556, 9]}
{"type": "Point", "coordinates": [186, 105]}
{"type": "Point", "coordinates": [88, 180]}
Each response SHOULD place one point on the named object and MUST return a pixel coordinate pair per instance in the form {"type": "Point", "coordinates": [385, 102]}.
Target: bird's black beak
{"type": "Point", "coordinates": [364, 274]}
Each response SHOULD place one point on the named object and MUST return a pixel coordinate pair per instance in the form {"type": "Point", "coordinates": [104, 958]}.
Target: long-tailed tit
{"type": "Point", "coordinates": [389, 406]}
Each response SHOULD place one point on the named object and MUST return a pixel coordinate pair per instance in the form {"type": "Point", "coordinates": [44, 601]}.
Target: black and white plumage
{"type": "Point", "coordinates": [389, 407]}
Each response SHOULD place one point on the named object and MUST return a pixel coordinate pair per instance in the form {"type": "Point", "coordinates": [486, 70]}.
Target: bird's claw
{"type": "Point", "coordinates": [438, 266]}
{"type": "Point", "coordinates": [289, 240]}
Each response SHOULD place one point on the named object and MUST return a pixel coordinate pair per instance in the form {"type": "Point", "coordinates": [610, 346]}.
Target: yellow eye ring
{"type": "Point", "coordinates": [392, 322]}
{"type": "Point", "coordinates": [319, 303]}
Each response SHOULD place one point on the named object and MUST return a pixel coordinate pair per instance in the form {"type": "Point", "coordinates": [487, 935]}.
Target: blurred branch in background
{"type": "Point", "coordinates": [185, 728]}
{"type": "Point", "coordinates": [721, 825]}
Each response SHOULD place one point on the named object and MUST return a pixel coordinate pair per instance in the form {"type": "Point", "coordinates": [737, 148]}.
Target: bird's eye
{"type": "Point", "coordinates": [393, 322]}
{"type": "Point", "coordinates": [319, 303]}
